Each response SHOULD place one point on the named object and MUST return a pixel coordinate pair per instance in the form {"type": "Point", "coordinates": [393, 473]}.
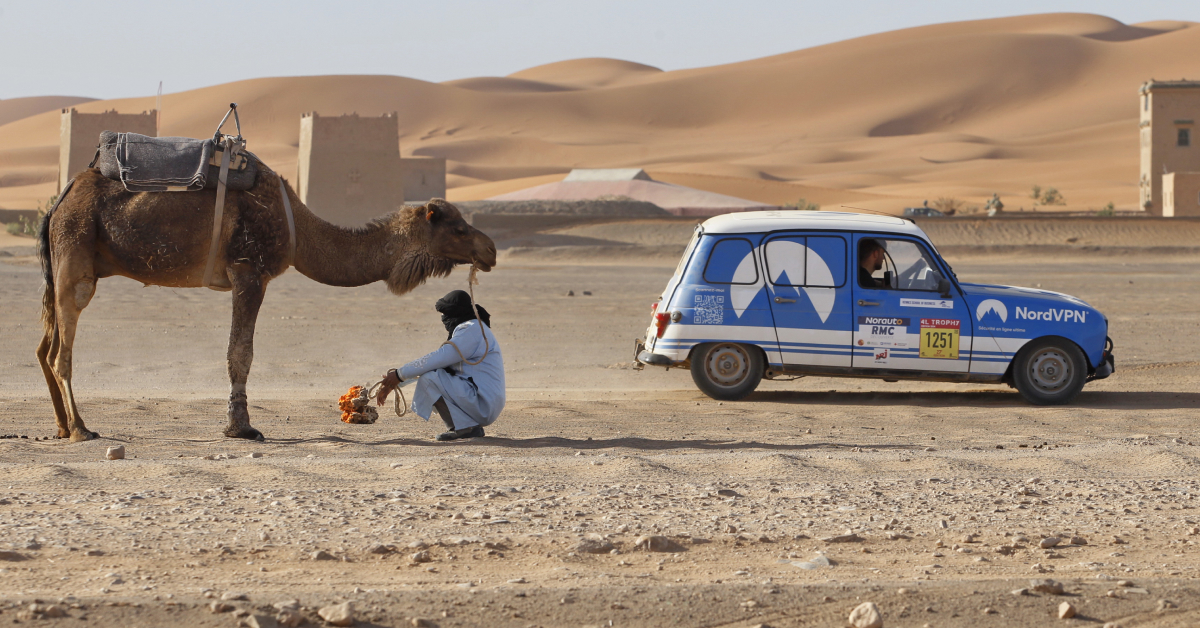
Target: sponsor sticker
{"type": "Point", "coordinates": [942, 304]}
{"type": "Point", "coordinates": [939, 338]}
{"type": "Point", "coordinates": [881, 356]}
{"type": "Point", "coordinates": [882, 331]}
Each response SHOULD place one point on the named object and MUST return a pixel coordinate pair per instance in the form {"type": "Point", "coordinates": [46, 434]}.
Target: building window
{"type": "Point", "coordinates": [1184, 138]}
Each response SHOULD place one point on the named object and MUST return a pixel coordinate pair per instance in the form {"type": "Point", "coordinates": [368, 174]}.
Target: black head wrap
{"type": "Point", "coordinates": [455, 308]}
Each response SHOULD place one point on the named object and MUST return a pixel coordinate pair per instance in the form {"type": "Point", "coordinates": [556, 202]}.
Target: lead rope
{"type": "Point", "coordinates": [401, 408]}
{"type": "Point", "coordinates": [472, 280]}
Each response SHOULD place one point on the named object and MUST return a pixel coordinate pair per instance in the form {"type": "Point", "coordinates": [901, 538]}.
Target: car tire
{"type": "Point", "coordinates": [727, 371]}
{"type": "Point", "coordinates": [1050, 371]}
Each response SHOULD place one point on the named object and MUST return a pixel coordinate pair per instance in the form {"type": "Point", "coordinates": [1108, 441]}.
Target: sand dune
{"type": "Point", "coordinates": [962, 109]}
{"type": "Point", "coordinates": [15, 109]}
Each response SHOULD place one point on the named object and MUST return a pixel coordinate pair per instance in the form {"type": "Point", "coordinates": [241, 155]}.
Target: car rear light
{"type": "Point", "coordinates": [661, 321]}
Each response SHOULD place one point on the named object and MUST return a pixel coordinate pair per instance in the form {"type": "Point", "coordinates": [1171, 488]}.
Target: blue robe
{"type": "Point", "coordinates": [475, 392]}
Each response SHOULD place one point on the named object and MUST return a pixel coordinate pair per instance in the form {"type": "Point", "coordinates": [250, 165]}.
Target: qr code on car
{"type": "Point", "coordinates": [710, 309]}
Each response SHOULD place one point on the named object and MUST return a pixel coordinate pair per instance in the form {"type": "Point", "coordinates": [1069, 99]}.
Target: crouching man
{"type": "Point", "coordinates": [463, 380]}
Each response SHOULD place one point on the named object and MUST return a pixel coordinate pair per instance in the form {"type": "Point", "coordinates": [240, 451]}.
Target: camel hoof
{"type": "Point", "coordinates": [83, 435]}
{"type": "Point", "coordinates": [247, 433]}
{"type": "Point", "coordinates": [63, 434]}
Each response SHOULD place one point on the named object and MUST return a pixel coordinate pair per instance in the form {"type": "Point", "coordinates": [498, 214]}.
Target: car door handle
{"type": "Point", "coordinates": [864, 302]}
{"type": "Point", "coordinates": [784, 300]}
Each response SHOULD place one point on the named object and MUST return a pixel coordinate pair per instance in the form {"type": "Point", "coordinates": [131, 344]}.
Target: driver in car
{"type": "Point", "coordinates": [870, 259]}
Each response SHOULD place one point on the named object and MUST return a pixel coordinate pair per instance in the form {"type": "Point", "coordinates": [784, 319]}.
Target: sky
{"type": "Point", "coordinates": [123, 48]}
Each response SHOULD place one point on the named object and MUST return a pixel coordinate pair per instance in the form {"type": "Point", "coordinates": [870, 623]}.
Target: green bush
{"type": "Point", "coordinates": [1052, 197]}
{"type": "Point", "coordinates": [1049, 196]}
{"type": "Point", "coordinates": [24, 227]}
{"type": "Point", "coordinates": [28, 228]}
{"type": "Point", "coordinates": [949, 205]}
{"type": "Point", "coordinates": [804, 206]}
{"type": "Point", "coordinates": [1108, 210]}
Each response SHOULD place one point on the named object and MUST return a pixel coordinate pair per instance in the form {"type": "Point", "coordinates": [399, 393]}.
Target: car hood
{"type": "Point", "coordinates": [991, 291]}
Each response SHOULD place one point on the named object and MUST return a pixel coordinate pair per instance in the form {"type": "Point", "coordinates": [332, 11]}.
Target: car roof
{"type": "Point", "coordinates": [786, 220]}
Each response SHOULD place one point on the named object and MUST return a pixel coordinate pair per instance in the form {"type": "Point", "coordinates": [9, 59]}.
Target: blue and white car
{"type": "Point", "coordinates": [778, 294]}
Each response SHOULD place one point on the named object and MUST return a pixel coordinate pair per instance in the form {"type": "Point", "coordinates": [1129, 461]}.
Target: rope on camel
{"type": "Point", "coordinates": [356, 403]}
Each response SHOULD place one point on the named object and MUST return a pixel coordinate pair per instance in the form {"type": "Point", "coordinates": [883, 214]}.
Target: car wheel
{"type": "Point", "coordinates": [1050, 371]}
{"type": "Point", "coordinates": [727, 371]}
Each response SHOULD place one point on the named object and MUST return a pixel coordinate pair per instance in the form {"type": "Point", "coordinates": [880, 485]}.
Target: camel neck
{"type": "Point", "coordinates": [338, 256]}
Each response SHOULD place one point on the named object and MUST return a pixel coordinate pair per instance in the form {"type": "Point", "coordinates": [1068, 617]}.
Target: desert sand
{"type": "Point", "coordinates": [788, 509]}
{"type": "Point", "coordinates": [959, 110]}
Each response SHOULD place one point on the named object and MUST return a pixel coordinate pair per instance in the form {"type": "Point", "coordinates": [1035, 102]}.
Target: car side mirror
{"type": "Point", "coordinates": [944, 287]}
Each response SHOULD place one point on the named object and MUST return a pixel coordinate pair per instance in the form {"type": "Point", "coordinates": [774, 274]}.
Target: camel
{"type": "Point", "coordinates": [162, 238]}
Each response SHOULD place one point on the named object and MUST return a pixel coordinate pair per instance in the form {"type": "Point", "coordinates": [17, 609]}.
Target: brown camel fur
{"type": "Point", "coordinates": [162, 238]}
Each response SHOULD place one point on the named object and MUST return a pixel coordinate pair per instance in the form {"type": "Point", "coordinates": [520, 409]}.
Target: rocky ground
{"type": "Point", "coordinates": [603, 496]}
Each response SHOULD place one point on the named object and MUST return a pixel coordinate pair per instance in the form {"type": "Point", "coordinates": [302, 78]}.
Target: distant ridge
{"type": "Point", "coordinates": [958, 110]}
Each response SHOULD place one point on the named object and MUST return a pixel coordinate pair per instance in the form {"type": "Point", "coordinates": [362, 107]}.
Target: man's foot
{"type": "Point", "coordinates": [470, 432]}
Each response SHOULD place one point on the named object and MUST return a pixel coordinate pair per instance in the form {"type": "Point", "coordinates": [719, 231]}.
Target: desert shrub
{"type": "Point", "coordinates": [1048, 196]}
{"type": "Point", "coordinates": [24, 226]}
{"type": "Point", "coordinates": [1108, 210]}
{"type": "Point", "coordinates": [1051, 196]}
{"type": "Point", "coordinates": [27, 227]}
{"type": "Point", "coordinates": [803, 205]}
{"type": "Point", "coordinates": [949, 205]}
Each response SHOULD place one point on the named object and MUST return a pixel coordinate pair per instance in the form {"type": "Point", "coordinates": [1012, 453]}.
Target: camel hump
{"type": "Point", "coordinates": [170, 164]}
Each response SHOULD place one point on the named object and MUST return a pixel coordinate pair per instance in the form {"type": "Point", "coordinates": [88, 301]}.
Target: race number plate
{"type": "Point", "coordinates": [939, 338]}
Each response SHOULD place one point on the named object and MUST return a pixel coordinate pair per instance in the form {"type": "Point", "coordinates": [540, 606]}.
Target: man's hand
{"type": "Point", "coordinates": [390, 381]}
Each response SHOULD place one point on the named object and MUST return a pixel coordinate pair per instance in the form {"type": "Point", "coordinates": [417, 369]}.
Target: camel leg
{"type": "Point", "coordinates": [47, 352]}
{"type": "Point", "coordinates": [74, 288]}
{"type": "Point", "coordinates": [248, 290]}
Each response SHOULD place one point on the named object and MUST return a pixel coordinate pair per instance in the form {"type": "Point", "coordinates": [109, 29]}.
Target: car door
{"type": "Point", "coordinates": [810, 296]}
{"type": "Point", "coordinates": [902, 321]}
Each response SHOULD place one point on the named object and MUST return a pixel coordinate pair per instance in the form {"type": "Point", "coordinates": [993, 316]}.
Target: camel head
{"type": "Point", "coordinates": [430, 240]}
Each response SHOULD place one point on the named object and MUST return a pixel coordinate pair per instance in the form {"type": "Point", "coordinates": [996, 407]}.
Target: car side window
{"type": "Point", "coordinates": [732, 262]}
{"type": "Point", "coordinates": [901, 265]}
{"type": "Point", "coordinates": [806, 261]}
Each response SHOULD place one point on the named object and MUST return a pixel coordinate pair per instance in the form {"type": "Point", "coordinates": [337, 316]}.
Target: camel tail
{"type": "Point", "coordinates": [49, 319]}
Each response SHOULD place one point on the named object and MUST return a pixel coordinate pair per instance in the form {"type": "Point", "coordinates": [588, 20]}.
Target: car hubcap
{"type": "Point", "coordinates": [728, 365]}
{"type": "Point", "coordinates": [1050, 370]}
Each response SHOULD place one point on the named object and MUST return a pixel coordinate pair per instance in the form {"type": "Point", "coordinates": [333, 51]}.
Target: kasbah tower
{"type": "Point", "coordinates": [1169, 185]}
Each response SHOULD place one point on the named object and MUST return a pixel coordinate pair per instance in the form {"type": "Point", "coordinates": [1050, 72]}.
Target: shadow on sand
{"type": "Point", "coordinates": [1005, 399]}
{"type": "Point", "coordinates": [544, 442]}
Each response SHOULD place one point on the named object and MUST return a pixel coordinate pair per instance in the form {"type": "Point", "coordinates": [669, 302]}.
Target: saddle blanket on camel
{"type": "Point", "coordinates": [474, 393]}
{"type": "Point", "coordinates": [170, 164]}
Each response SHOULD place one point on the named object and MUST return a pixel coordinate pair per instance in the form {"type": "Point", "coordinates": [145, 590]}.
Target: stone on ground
{"type": "Point", "coordinates": [866, 615]}
{"type": "Point", "coordinates": [338, 614]}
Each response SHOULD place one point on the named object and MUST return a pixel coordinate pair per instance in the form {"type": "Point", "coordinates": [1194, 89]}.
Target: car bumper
{"type": "Point", "coordinates": [642, 356]}
{"type": "Point", "coordinates": [1108, 364]}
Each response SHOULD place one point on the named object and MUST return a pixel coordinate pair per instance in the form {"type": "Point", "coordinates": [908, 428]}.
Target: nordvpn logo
{"type": "Point", "coordinates": [993, 307]}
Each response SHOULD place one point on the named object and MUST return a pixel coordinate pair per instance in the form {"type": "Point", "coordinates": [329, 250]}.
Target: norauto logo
{"type": "Point", "coordinates": [1055, 315]}
{"type": "Point", "coordinates": [880, 320]}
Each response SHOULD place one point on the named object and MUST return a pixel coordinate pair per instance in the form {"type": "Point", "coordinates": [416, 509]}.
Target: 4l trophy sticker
{"type": "Point", "coordinates": [939, 338]}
